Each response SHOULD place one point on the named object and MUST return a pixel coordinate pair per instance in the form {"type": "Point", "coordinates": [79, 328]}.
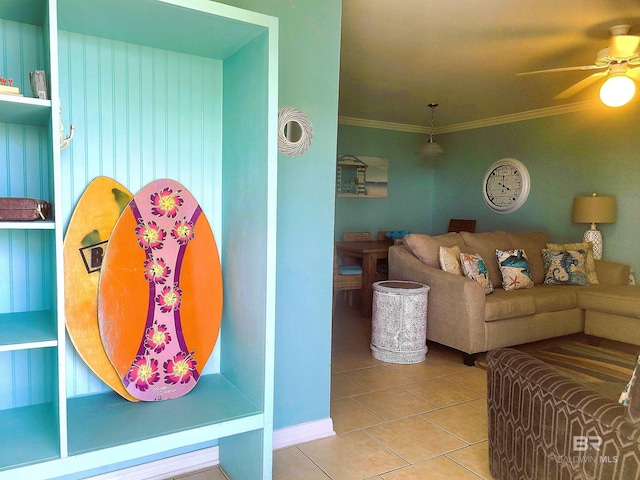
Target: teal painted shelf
{"type": "Point", "coordinates": [24, 110]}
{"type": "Point", "coordinates": [23, 330]}
{"type": "Point", "coordinates": [107, 420]}
{"type": "Point", "coordinates": [28, 435]}
{"type": "Point", "coordinates": [154, 89]}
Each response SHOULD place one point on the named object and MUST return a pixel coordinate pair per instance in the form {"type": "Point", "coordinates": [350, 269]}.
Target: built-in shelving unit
{"type": "Point", "coordinates": [182, 89]}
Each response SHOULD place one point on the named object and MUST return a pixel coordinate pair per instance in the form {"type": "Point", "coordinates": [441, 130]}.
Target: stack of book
{"type": "Point", "coordinates": [7, 90]}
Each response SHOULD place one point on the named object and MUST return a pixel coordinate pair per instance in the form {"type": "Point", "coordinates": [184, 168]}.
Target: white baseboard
{"type": "Point", "coordinates": [209, 457]}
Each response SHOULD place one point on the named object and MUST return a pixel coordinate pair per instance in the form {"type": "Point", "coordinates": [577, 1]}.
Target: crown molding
{"type": "Point", "coordinates": [487, 122]}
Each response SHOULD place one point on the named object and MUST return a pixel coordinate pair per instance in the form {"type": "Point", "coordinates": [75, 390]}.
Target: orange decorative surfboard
{"type": "Point", "coordinates": [160, 293]}
{"type": "Point", "coordinates": [93, 219]}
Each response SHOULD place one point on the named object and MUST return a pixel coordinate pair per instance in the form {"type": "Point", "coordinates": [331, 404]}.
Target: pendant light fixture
{"type": "Point", "coordinates": [431, 148]}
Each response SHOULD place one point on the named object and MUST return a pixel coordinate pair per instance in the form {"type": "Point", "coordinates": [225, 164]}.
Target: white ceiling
{"type": "Point", "coordinates": [397, 56]}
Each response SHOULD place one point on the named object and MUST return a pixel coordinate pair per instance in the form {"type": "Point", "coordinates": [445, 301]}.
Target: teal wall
{"type": "Point", "coordinates": [409, 202]}
{"type": "Point", "coordinates": [309, 62]}
{"type": "Point", "coordinates": [566, 155]}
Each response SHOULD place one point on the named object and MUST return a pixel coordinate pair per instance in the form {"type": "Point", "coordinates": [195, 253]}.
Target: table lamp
{"type": "Point", "coordinates": [594, 210]}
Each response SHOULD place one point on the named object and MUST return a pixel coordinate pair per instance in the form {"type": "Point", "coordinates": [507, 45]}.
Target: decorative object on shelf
{"type": "Point", "coordinates": [505, 186]}
{"type": "Point", "coordinates": [65, 141]}
{"type": "Point", "coordinates": [160, 293]}
{"type": "Point", "coordinates": [431, 148]}
{"type": "Point", "coordinates": [85, 243]}
{"type": "Point", "coordinates": [594, 209]}
{"type": "Point", "coordinates": [7, 88]}
{"type": "Point", "coordinates": [20, 209]}
{"type": "Point", "coordinates": [362, 176]}
{"type": "Point", "coordinates": [38, 80]}
{"type": "Point", "coordinates": [295, 132]}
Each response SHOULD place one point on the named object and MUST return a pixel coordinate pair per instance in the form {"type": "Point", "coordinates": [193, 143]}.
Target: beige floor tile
{"type": "Point", "coordinates": [440, 468]}
{"type": "Point", "coordinates": [422, 371]}
{"type": "Point", "coordinates": [291, 464]}
{"type": "Point", "coordinates": [208, 474]}
{"type": "Point", "coordinates": [474, 379]}
{"type": "Point", "coordinates": [394, 403]}
{"type": "Point", "coordinates": [464, 421]}
{"type": "Point", "coordinates": [378, 378]}
{"type": "Point", "coordinates": [446, 356]}
{"type": "Point", "coordinates": [362, 358]}
{"type": "Point", "coordinates": [415, 439]}
{"type": "Point", "coordinates": [339, 364]}
{"type": "Point", "coordinates": [441, 392]}
{"type": "Point", "coordinates": [349, 415]}
{"type": "Point", "coordinates": [480, 404]}
{"type": "Point", "coordinates": [352, 456]}
{"type": "Point", "coordinates": [475, 458]}
{"type": "Point", "coordinates": [343, 386]}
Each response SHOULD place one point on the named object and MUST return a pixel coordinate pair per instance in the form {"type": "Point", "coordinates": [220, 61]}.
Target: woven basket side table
{"type": "Point", "coordinates": [399, 321]}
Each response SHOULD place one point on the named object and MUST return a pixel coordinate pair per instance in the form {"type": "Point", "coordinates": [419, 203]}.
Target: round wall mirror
{"type": "Point", "coordinates": [295, 132]}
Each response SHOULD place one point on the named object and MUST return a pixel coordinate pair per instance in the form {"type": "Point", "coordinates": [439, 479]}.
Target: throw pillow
{"type": "Point", "coordinates": [515, 269]}
{"type": "Point", "coordinates": [591, 262]}
{"type": "Point", "coordinates": [565, 267]}
{"type": "Point", "coordinates": [450, 259]}
{"type": "Point", "coordinates": [474, 267]}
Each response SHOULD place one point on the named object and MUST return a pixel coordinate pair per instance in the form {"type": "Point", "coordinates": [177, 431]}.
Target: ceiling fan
{"type": "Point", "coordinates": [620, 62]}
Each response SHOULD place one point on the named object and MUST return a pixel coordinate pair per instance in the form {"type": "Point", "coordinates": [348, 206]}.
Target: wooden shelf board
{"type": "Point", "coordinates": [106, 420]}
{"type": "Point", "coordinates": [24, 110]}
{"type": "Point", "coordinates": [28, 435]}
{"type": "Point", "coordinates": [24, 330]}
{"type": "Point", "coordinates": [28, 225]}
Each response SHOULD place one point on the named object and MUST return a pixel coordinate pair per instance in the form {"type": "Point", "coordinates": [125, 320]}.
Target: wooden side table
{"type": "Point", "coordinates": [399, 321]}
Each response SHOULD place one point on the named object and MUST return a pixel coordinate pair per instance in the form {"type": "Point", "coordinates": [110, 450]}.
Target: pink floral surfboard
{"type": "Point", "coordinates": [160, 293]}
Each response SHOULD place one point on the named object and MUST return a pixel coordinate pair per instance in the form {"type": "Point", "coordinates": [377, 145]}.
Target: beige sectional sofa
{"type": "Point", "coordinates": [461, 316]}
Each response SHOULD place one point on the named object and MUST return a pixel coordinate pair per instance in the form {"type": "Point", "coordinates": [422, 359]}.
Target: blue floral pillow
{"type": "Point", "coordinates": [565, 267]}
{"type": "Point", "coordinates": [515, 269]}
{"type": "Point", "coordinates": [473, 267]}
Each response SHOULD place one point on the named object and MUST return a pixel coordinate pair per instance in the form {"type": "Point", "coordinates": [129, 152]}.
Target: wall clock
{"type": "Point", "coordinates": [506, 185]}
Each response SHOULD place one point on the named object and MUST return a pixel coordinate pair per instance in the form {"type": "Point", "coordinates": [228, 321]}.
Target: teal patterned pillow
{"type": "Point", "coordinates": [515, 269]}
{"type": "Point", "coordinates": [565, 267]}
{"type": "Point", "coordinates": [473, 267]}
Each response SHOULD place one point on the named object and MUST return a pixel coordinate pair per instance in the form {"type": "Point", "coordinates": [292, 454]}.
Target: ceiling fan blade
{"type": "Point", "coordinates": [622, 46]}
{"type": "Point", "coordinates": [634, 73]}
{"type": "Point", "coordinates": [584, 83]}
{"type": "Point", "coordinates": [565, 69]}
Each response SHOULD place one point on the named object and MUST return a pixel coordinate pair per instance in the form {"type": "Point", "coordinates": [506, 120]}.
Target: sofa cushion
{"type": "Point", "coordinates": [514, 268]}
{"type": "Point", "coordinates": [555, 298]}
{"type": "Point", "coordinates": [502, 304]}
{"type": "Point", "coordinates": [532, 243]}
{"type": "Point", "coordinates": [613, 299]}
{"type": "Point", "coordinates": [566, 267]}
{"type": "Point", "coordinates": [475, 268]}
{"type": "Point", "coordinates": [485, 244]}
{"type": "Point", "coordinates": [427, 247]}
{"type": "Point", "coordinates": [450, 259]}
{"type": "Point", "coordinates": [590, 264]}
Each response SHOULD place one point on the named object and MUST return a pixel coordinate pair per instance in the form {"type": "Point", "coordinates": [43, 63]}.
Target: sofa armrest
{"type": "Point", "coordinates": [612, 273]}
{"type": "Point", "coordinates": [543, 424]}
{"type": "Point", "coordinates": [455, 306]}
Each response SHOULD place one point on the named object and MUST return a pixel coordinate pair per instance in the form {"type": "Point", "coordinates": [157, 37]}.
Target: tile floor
{"type": "Point", "coordinates": [393, 422]}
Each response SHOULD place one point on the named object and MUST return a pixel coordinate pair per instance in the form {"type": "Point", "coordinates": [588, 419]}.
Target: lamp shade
{"type": "Point", "coordinates": [594, 209]}
{"type": "Point", "coordinates": [430, 149]}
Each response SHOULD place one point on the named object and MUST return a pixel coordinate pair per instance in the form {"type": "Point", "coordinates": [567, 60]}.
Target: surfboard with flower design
{"type": "Point", "coordinates": [160, 293]}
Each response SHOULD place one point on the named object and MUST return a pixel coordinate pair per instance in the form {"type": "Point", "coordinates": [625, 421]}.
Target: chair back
{"type": "Point", "coordinates": [357, 237]}
{"type": "Point", "coordinates": [461, 225]}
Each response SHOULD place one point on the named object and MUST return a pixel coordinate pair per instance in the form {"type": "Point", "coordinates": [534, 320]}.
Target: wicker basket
{"type": "Point", "coordinates": [399, 321]}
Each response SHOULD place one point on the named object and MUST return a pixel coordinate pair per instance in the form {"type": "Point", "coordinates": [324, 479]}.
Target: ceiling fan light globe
{"type": "Point", "coordinates": [617, 90]}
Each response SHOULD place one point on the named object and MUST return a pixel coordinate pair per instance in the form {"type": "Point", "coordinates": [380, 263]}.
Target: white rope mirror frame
{"type": "Point", "coordinates": [286, 146]}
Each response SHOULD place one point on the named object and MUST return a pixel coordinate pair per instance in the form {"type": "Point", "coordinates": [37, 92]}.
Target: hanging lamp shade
{"type": "Point", "coordinates": [430, 148]}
